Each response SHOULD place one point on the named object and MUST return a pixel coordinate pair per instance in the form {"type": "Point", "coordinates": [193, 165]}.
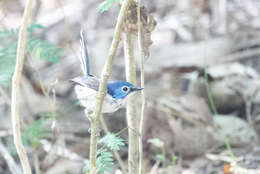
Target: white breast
{"type": "Point", "coordinates": [87, 97]}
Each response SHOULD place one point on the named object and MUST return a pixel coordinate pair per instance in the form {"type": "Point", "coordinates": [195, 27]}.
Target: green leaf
{"type": "Point", "coordinates": [77, 103]}
{"type": "Point", "coordinates": [156, 142]}
{"type": "Point", "coordinates": [37, 52]}
{"type": "Point", "coordinates": [174, 159]}
{"type": "Point", "coordinates": [104, 6]}
{"type": "Point", "coordinates": [161, 157]}
{"type": "Point", "coordinates": [86, 168]}
{"type": "Point", "coordinates": [35, 132]}
{"type": "Point", "coordinates": [112, 141]}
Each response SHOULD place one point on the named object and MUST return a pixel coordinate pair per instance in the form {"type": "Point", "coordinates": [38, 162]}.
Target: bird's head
{"type": "Point", "coordinates": [120, 89]}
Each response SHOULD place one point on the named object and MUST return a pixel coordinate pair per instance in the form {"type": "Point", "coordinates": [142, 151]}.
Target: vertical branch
{"type": "Point", "coordinates": [15, 90]}
{"type": "Point", "coordinates": [142, 57]}
{"type": "Point", "coordinates": [131, 115]}
{"type": "Point", "coordinates": [103, 83]}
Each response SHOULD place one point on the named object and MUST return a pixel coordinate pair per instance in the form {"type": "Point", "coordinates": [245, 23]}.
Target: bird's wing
{"type": "Point", "coordinates": [87, 81]}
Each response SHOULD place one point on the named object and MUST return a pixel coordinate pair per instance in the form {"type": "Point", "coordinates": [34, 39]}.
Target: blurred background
{"type": "Point", "coordinates": [201, 80]}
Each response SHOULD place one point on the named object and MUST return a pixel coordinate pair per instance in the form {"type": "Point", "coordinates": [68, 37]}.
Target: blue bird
{"type": "Point", "coordinates": [87, 87]}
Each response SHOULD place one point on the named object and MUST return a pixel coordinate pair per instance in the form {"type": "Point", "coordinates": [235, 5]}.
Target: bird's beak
{"type": "Point", "coordinates": [136, 89]}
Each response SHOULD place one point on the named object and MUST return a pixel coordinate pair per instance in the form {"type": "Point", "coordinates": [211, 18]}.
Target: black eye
{"type": "Point", "coordinates": [125, 88]}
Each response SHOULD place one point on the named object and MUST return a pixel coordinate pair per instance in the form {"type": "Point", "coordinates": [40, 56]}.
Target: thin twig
{"type": "Point", "coordinates": [15, 89]}
{"type": "Point", "coordinates": [240, 55]}
{"type": "Point", "coordinates": [103, 82]}
{"type": "Point", "coordinates": [46, 92]}
{"type": "Point", "coordinates": [37, 10]}
{"type": "Point", "coordinates": [36, 161]}
{"type": "Point", "coordinates": [223, 158]}
{"type": "Point", "coordinates": [142, 59]}
{"type": "Point", "coordinates": [14, 168]}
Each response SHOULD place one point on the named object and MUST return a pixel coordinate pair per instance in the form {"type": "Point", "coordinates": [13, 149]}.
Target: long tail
{"type": "Point", "coordinates": [84, 54]}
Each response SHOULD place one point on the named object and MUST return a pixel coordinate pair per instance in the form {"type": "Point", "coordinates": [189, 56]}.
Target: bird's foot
{"type": "Point", "coordinates": [88, 114]}
{"type": "Point", "coordinates": [89, 131]}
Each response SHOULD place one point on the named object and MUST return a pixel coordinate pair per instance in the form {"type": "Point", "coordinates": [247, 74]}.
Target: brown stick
{"type": "Point", "coordinates": [15, 90]}
{"type": "Point", "coordinates": [102, 87]}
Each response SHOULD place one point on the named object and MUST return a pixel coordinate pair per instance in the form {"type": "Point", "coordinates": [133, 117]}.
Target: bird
{"type": "Point", "coordinates": [87, 86]}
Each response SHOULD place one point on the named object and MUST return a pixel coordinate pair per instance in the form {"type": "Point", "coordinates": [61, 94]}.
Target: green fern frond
{"type": "Point", "coordinates": [8, 33]}
{"type": "Point", "coordinates": [112, 141]}
{"type": "Point", "coordinates": [34, 26]}
{"type": "Point", "coordinates": [35, 47]}
{"type": "Point", "coordinates": [44, 50]}
{"type": "Point", "coordinates": [106, 5]}
{"type": "Point", "coordinates": [104, 160]}
{"type": "Point", "coordinates": [14, 32]}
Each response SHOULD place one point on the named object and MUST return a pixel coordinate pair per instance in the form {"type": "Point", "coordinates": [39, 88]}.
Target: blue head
{"type": "Point", "coordinates": [120, 89]}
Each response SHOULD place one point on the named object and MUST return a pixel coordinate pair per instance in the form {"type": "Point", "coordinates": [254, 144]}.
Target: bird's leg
{"type": "Point", "coordinates": [89, 130]}
{"type": "Point", "coordinates": [88, 115]}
